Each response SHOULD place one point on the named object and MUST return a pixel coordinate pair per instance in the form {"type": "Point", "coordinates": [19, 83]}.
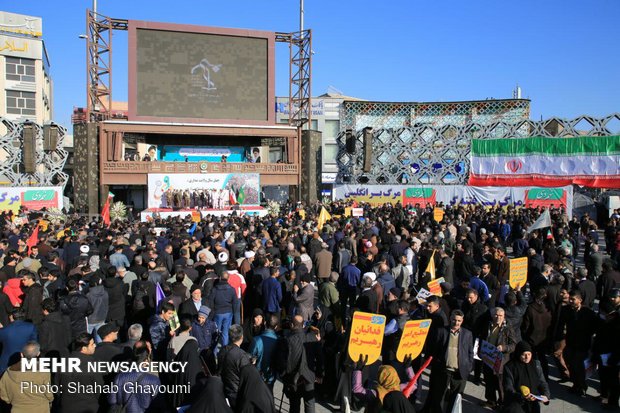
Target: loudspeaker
{"type": "Point", "coordinates": [50, 137]}
{"type": "Point", "coordinates": [310, 166]}
{"type": "Point", "coordinates": [29, 149]}
{"type": "Point", "coordinates": [350, 141]}
{"type": "Point", "coordinates": [367, 149]}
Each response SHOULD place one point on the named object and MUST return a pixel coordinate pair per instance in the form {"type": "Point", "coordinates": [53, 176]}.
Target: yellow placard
{"type": "Point", "coordinates": [347, 211]}
{"type": "Point", "coordinates": [518, 272]}
{"type": "Point", "coordinates": [366, 336]}
{"type": "Point", "coordinates": [438, 214]}
{"type": "Point", "coordinates": [434, 286]}
{"type": "Point", "coordinates": [196, 217]}
{"type": "Point", "coordinates": [413, 339]}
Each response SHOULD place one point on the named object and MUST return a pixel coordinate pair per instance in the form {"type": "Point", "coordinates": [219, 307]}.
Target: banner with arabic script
{"type": "Point", "coordinates": [31, 198]}
{"type": "Point", "coordinates": [366, 336]}
{"type": "Point", "coordinates": [246, 187]}
{"type": "Point", "coordinates": [413, 339]}
{"type": "Point", "coordinates": [424, 195]}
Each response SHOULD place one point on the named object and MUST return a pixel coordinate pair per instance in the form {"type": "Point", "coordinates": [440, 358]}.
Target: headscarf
{"type": "Point", "coordinates": [524, 374]}
{"type": "Point", "coordinates": [210, 397]}
{"type": "Point", "coordinates": [190, 375]}
{"type": "Point", "coordinates": [253, 395]}
{"type": "Point", "coordinates": [388, 381]}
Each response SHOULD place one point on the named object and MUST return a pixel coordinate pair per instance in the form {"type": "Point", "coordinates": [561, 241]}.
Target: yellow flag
{"type": "Point", "coordinates": [430, 268]}
{"type": "Point", "coordinates": [302, 214]}
{"type": "Point", "coordinates": [324, 216]}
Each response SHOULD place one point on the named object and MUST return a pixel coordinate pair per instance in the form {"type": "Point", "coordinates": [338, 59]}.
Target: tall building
{"type": "Point", "coordinates": [25, 83]}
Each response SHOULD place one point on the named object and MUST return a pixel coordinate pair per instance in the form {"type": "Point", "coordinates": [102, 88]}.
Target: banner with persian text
{"type": "Point", "coordinates": [245, 187]}
{"type": "Point", "coordinates": [30, 198]}
{"type": "Point", "coordinates": [458, 195]}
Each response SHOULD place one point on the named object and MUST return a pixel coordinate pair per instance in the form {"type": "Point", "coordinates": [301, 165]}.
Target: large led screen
{"type": "Point", "coordinates": [209, 76]}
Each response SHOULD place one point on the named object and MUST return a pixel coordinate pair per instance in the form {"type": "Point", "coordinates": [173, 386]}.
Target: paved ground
{"type": "Point", "coordinates": [561, 400]}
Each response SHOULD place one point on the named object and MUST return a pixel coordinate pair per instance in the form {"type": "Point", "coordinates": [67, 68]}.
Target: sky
{"type": "Point", "coordinates": [562, 53]}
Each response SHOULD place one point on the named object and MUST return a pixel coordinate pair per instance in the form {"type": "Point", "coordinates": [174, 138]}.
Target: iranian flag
{"type": "Point", "coordinates": [592, 161]}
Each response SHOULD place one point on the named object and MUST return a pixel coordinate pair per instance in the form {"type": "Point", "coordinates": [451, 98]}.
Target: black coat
{"type": "Point", "coordinates": [55, 335]}
{"type": "Point", "coordinates": [31, 303]}
{"type": "Point", "coordinates": [77, 307]}
{"type": "Point", "coordinates": [465, 355]}
{"type": "Point", "coordinates": [116, 298]}
{"type": "Point", "coordinates": [84, 401]}
{"type": "Point", "coordinates": [230, 362]}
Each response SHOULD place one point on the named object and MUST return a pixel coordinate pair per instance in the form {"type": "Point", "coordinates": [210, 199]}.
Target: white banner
{"type": "Point", "coordinates": [458, 195]}
{"type": "Point", "coordinates": [244, 188]}
{"type": "Point", "coordinates": [31, 198]}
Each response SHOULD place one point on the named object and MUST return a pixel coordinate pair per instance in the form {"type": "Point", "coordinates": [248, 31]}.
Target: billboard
{"type": "Point", "coordinates": [200, 74]}
{"type": "Point", "coordinates": [218, 191]}
{"type": "Point", "coordinates": [31, 198]}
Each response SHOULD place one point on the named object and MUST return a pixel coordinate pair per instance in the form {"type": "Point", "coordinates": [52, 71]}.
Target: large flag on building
{"type": "Point", "coordinates": [592, 161]}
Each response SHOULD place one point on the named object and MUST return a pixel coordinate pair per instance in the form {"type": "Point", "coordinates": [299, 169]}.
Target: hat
{"type": "Point", "coordinates": [614, 293]}
{"type": "Point", "coordinates": [371, 275]}
{"type": "Point", "coordinates": [368, 244]}
{"type": "Point", "coordinates": [522, 347]}
{"type": "Point", "coordinates": [107, 329]}
{"type": "Point", "coordinates": [204, 310]}
{"type": "Point", "coordinates": [483, 230]}
{"type": "Point", "coordinates": [395, 292]}
{"type": "Point", "coordinates": [222, 256]}
{"type": "Point", "coordinates": [194, 288]}
{"type": "Point", "coordinates": [189, 262]}
{"type": "Point", "coordinates": [27, 262]}
{"type": "Point", "coordinates": [84, 249]}
{"type": "Point", "coordinates": [249, 254]}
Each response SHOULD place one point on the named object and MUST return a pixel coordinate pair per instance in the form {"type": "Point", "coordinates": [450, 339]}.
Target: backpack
{"type": "Point", "coordinates": [139, 299]}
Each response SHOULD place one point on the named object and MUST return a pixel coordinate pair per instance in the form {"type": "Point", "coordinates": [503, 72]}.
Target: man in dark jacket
{"type": "Point", "coordinates": [33, 295]}
{"type": "Point", "coordinates": [502, 336]}
{"type": "Point", "coordinates": [303, 366]}
{"type": "Point", "coordinates": [224, 305]}
{"type": "Point", "coordinates": [230, 361]}
{"type": "Point", "coordinates": [191, 306]}
{"type": "Point", "coordinates": [160, 330]}
{"type": "Point", "coordinates": [116, 297]}
{"type": "Point", "coordinates": [85, 401]}
{"type": "Point", "coordinates": [54, 331]}
{"type": "Point", "coordinates": [77, 307]}
{"type": "Point", "coordinates": [14, 337]}
{"type": "Point", "coordinates": [98, 298]}
{"type": "Point", "coordinates": [453, 359]}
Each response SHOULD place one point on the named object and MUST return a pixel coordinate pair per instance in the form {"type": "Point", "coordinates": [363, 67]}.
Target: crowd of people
{"type": "Point", "coordinates": [246, 302]}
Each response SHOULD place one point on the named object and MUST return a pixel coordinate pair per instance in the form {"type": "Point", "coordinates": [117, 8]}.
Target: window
{"type": "Point", "coordinates": [21, 70]}
{"type": "Point", "coordinates": [332, 127]}
{"type": "Point", "coordinates": [20, 103]}
{"type": "Point", "coordinates": [330, 151]}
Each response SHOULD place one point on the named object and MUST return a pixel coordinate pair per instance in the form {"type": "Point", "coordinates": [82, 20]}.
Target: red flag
{"type": "Point", "coordinates": [105, 212]}
{"type": "Point", "coordinates": [34, 239]}
{"type": "Point", "coordinates": [354, 204]}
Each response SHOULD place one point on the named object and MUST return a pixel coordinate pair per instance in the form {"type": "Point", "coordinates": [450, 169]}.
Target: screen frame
{"type": "Point", "coordinates": [135, 25]}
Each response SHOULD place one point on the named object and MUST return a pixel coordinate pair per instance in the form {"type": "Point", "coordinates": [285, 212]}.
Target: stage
{"type": "Point", "coordinates": [164, 213]}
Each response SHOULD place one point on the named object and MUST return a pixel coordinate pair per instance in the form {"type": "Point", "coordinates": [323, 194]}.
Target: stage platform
{"type": "Point", "coordinates": [164, 213]}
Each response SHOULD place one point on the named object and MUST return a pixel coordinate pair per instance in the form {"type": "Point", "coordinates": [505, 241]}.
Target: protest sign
{"type": "Point", "coordinates": [196, 217]}
{"type": "Point", "coordinates": [413, 339]}
{"type": "Point", "coordinates": [357, 212]}
{"type": "Point", "coordinates": [438, 214]}
{"type": "Point", "coordinates": [434, 286]}
{"type": "Point", "coordinates": [366, 336]}
{"type": "Point", "coordinates": [518, 272]}
{"type": "Point", "coordinates": [490, 355]}
{"type": "Point", "coordinates": [423, 294]}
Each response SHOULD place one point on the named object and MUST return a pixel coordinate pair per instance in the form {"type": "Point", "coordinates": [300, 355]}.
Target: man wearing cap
{"type": "Point", "coordinates": [204, 330]}
{"type": "Point", "coordinates": [246, 264]}
{"type": "Point", "coordinates": [304, 298]}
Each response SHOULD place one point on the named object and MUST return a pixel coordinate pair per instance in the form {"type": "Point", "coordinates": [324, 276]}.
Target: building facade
{"type": "Point", "coordinates": [326, 112]}
{"type": "Point", "coordinates": [26, 85]}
